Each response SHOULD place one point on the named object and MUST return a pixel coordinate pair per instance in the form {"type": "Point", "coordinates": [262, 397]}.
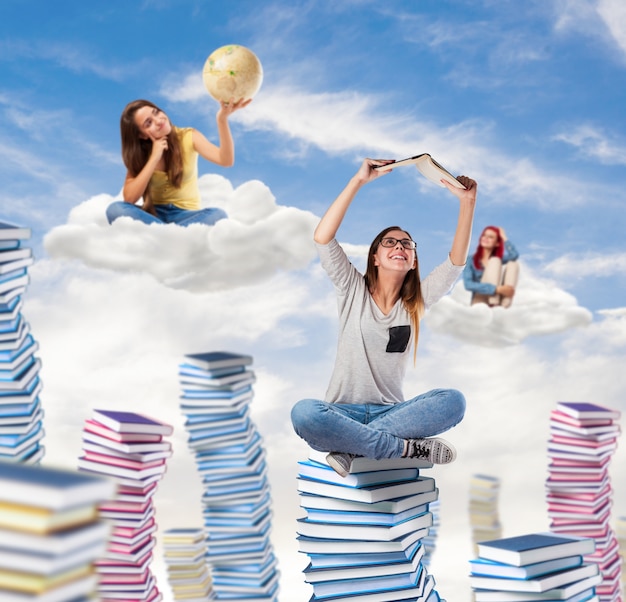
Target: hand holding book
{"type": "Point", "coordinates": [427, 166]}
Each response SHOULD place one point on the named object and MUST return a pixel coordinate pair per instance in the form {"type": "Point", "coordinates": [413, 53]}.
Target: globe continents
{"type": "Point", "coordinates": [232, 72]}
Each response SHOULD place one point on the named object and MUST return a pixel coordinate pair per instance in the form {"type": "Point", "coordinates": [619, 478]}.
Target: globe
{"type": "Point", "coordinates": [232, 72]}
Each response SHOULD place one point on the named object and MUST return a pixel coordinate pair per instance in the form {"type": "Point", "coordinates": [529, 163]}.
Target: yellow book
{"type": "Point", "coordinates": [32, 519]}
{"type": "Point", "coordinates": [32, 583]}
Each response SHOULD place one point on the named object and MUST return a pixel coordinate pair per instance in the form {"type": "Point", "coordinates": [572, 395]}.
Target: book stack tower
{"type": "Point", "coordinates": [364, 533]}
{"type": "Point", "coordinates": [483, 508]}
{"type": "Point", "coordinates": [229, 454]}
{"type": "Point", "coordinates": [50, 534]}
{"type": "Point", "coordinates": [129, 448]}
{"type": "Point", "coordinates": [187, 569]}
{"type": "Point", "coordinates": [21, 429]}
{"type": "Point", "coordinates": [583, 437]}
{"type": "Point", "coordinates": [539, 566]}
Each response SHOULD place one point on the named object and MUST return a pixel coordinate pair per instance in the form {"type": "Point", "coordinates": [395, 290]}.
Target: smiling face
{"type": "Point", "coordinates": [489, 239]}
{"type": "Point", "coordinates": [396, 258]}
{"type": "Point", "coordinates": [152, 123]}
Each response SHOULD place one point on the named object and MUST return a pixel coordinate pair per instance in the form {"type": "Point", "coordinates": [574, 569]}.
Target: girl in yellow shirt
{"type": "Point", "coordinates": [162, 164]}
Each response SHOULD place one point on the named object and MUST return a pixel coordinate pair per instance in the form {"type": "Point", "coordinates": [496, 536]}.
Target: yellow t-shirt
{"type": "Point", "coordinates": [188, 195]}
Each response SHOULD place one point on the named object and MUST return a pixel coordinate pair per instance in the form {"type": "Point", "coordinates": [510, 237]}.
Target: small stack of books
{"type": "Point", "coordinates": [230, 457]}
{"type": "Point", "coordinates": [129, 448]}
{"type": "Point", "coordinates": [538, 566]}
{"type": "Point", "coordinates": [21, 416]}
{"type": "Point", "coordinates": [583, 437]}
{"type": "Point", "coordinates": [184, 551]}
{"type": "Point", "coordinates": [50, 534]}
{"type": "Point", "coordinates": [483, 508]}
{"type": "Point", "coordinates": [363, 533]}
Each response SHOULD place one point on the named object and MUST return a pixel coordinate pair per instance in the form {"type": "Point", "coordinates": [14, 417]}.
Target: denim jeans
{"type": "Point", "coordinates": [375, 430]}
{"type": "Point", "coordinates": [166, 214]}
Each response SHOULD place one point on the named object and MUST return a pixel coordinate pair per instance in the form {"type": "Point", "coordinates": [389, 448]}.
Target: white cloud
{"type": "Point", "coordinates": [539, 308]}
{"type": "Point", "coordinates": [593, 142]}
{"type": "Point", "coordinates": [259, 238]}
{"type": "Point", "coordinates": [613, 13]}
{"type": "Point", "coordinates": [582, 265]}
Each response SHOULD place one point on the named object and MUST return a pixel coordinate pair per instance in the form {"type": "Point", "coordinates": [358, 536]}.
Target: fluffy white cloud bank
{"type": "Point", "coordinates": [539, 308]}
{"type": "Point", "coordinates": [258, 239]}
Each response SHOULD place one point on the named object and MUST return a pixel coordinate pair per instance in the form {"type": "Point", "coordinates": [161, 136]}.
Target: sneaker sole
{"type": "Point", "coordinates": [442, 452]}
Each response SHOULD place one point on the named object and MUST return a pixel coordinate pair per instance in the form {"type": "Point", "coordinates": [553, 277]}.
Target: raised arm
{"type": "Point", "coordinates": [463, 234]}
{"type": "Point", "coordinates": [331, 220]}
{"type": "Point", "coordinates": [224, 154]}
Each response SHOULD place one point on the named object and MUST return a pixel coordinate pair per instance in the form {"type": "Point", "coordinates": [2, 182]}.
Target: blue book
{"type": "Point", "coordinates": [489, 568]}
{"type": "Point", "coordinates": [17, 440]}
{"type": "Point", "coordinates": [131, 422]}
{"type": "Point", "coordinates": [25, 397]}
{"type": "Point", "coordinates": [217, 359]}
{"type": "Point", "coordinates": [535, 547]}
{"type": "Point", "coordinates": [364, 559]}
{"type": "Point", "coordinates": [51, 488]}
{"type": "Point", "coordinates": [12, 275]}
{"type": "Point", "coordinates": [216, 396]}
{"type": "Point", "coordinates": [10, 231]}
{"type": "Point", "coordinates": [195, 371]}
{"type": "Point", "coordinates": [11, 359]}
{"type": "Point", "coordinates": [18, 371]}
{"type": "Point", "coordinates": [21, 381]}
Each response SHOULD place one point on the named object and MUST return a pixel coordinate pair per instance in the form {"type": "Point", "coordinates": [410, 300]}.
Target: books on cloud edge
{"type": "Point", "coordinates": [51, 488]}
{"type": "Point", "coordinates": [535, 547]}
{"type": "Point", "coordinates": [218, 359]}
{"type": "Point", "coordinates": [131, 422]}
{"type": "Point", "coordinates": [428, 167]}
{"type": "Point", "coordinates": [587, 410]}
{"type": "Point", "coordinates": [535, 584]}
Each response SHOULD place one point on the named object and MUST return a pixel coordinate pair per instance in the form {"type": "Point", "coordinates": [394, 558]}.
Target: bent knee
{"type": "Point", "coordinates": [457, 403]}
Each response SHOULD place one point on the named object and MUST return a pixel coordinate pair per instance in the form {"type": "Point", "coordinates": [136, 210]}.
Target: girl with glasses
{"type": "Point", "coordinates": [365, 412]}
{"type": "Point", "coordinates": [162, 164]}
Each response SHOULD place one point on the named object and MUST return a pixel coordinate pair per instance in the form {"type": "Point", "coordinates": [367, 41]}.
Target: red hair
{"type": "Point", "coordinates": [498, 250]}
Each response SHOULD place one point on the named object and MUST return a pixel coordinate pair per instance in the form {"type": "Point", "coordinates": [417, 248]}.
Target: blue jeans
{"type": "Point", "coordinates": [166, 214]}
{"type": "Point", "coordinates": [374, 430]}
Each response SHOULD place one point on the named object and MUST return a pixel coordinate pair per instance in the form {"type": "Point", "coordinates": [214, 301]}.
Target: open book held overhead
{"type": "Point", "coordinates": [427, 166]}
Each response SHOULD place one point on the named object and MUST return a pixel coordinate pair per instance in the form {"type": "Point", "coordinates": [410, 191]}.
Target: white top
{"type": "Point", "coordinates": [373, 347]}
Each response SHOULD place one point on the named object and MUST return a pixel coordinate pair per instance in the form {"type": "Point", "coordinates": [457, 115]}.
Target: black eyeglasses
{"type": "Point", "coordinates": [407, 243]}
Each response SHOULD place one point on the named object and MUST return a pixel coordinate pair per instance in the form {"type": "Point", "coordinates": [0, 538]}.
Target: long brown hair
{"type": "Point", "coordinates": [136, 150]}
{"type": "Point", "coordinates": [411, 290]}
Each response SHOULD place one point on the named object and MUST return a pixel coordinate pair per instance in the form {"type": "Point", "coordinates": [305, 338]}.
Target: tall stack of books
{"type": "Point", "coordinates": [230, 457]}
{"type": "Point", "coordinates": [21, 429]}
{"type": "Point", "coordinates": [50, 534]}
{"type": "Point", "coordinates": [538, 566]}
{"type": "Point", "coordinates": [583, 437]}
{"type": "Point", "coordinates": [364, 533]}
{"type": "Point", "coordinates": [483, 508]}
{"type": "Point", "coordinates": [188, 574]}
{"type": "Point", "coordinates": [129, 448]}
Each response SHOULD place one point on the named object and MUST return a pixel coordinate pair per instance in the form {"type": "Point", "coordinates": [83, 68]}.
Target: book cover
{"type": "Point", "coordinates": [584, 409]}
{"type": "Point", "coordinates": [131, 422]}
{"type": "Point", "coordinates": [535, 547]}
{"type": "Point", "coordinates": [9, 231]}
{"type": "Point", "coordinates": [218, 359]}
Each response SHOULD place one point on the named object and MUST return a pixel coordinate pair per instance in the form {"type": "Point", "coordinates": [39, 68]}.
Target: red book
{"type": "Point", "coordinates": [115, 461]}
{"type": "Point", "coordinates": [116, 506]}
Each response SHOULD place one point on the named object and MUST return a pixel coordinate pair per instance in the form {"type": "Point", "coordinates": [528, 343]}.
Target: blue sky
{"type": "Point", "coordinates": [527, 98]}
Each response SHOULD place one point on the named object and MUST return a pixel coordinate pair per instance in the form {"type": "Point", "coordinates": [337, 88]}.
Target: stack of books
{"type": "Point", "coordinates": [364, 533]}
{"type": "Point", "coordinates": [230, 457]}
{"type": "Point", "coordinates": [583, 437]}
{"type": "Point", "coordinates": [129, 448]}
{"type": "Point", "coordinates": [188, 574]}
{"type": "Point", "coordinates": [483, 508]}
{"type": "Point", "coordinates": [21, 429]}
{"type": "Point", "coordinates": [538, 566]}
{"type": "Point", "coordinates": [50, 534]}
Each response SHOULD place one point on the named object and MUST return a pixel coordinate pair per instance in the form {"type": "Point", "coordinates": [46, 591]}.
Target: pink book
{"type": "Point", "coordinates": [585, 442]}
{"type": "Point", "coordinates": [115, 461]}
{"type": "Point", "coordinates": [574, 477]}
{"type": "Point", "coordinates": [153, 595]}
{"type": "Point", "coordinates": [583, 497]}
{"type": "Point", "coordinates": [99, 429]}
{"type": "Point", "coordinates": [129, 532]}
{"type": "Point", "coordinates": [582, 422]}
{"type": "Point", "coordinates": [115, 506]}
{"type": "Point", "coordinates": [120, 548]}
{"type": "Point", "coordinates": [577, 509]}
{"type": "Point", "coordinates": [126, 490]}
{"type": "Point", "coordinates": [121, 579]}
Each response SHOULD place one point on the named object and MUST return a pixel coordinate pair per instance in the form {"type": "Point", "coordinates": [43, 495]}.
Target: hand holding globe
{"type": "Point", "coordinates": [232, 72]}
